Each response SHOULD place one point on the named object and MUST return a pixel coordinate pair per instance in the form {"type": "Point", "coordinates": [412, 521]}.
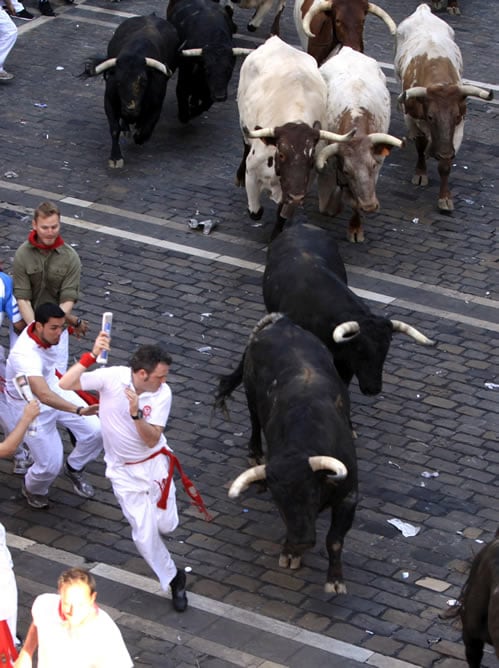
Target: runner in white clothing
{"type": "Point", "coordinates": [34, 355]}
{"type": "Point", "coordinates": [134, 405]}
{"type": "Point", "coordinates": [70, 630]}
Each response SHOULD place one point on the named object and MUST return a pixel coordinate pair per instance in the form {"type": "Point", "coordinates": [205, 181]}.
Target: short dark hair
{"type": "Point", "coordinates": [148, 357]}
{"type": "Point", "coordinates": [46, 209]}
{"type": "Point", "coordinates": [73, 575]}
{"type": "Point", "coordinates": [44, 312]}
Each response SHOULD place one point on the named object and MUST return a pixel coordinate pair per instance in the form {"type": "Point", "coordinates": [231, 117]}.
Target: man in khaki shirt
{"type": "Point", "coordinates": [46, 269]}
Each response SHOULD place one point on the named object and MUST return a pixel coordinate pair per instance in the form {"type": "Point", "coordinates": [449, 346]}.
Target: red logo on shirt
{"type": "Point", "coordinates": [146, 411]}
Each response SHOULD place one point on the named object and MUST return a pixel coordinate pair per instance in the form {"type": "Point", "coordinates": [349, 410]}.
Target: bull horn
{"type": "Point", "coordinates": [157, 65]}
{"type": "Point", "coordinates": [417, 91]}
{"type": "Point", "coordinates": [322, 463]}
{"type": "Point", "coordinates": [241, 51]}
{"type": "Point", "coordinates": [332, 136]}
{"type": "Point", "coordinates": [344, 331]}
{"type": "Point", "coordinates": [404, 328]}
{"type": "Point", "coordinates": [192, 52]}
{"type": "Point", "coordinates": [244, 480]}
{"type": "Point", "coordinates": [261, 132]}
{"type": "Point", "coordinates": [106, 65]}
{"type": "Point", "coordinates": [325, 154]}
{"type": "Point", "coordinates": [475, 91]}
{"type": "Point", "coordinates": [315, 8]}
{"type": "Point", "coordinates": [382, 138]}
{"type": "Point", "coordinates": [384, 16]}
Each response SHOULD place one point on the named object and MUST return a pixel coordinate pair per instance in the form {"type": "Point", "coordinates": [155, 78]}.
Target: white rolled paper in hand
{"type": "Point", "coordinates": [107, 322]}
{"type": "Point", "coordinates": [24, 390]}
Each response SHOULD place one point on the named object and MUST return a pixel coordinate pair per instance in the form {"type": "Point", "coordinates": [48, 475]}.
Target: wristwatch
{"type": "Point", "coordinates": [139, 415]}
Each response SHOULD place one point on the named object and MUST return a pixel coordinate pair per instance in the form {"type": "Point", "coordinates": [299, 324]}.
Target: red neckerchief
{"type": "Point", "coordinates": [35, 337]}
{"type": "Point", "coordinates": [164, 485]}
{"type": "Point", "coordinates": [33, 241]}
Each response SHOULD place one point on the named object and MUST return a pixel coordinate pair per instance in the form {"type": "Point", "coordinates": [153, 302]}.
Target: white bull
{"type": "Point", "coordinates": [357, 97]}
{"type": "Point", "coordinates": [282, 107]}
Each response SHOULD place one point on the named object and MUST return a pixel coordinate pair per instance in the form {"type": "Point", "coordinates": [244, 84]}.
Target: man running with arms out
{"type": "Point", "coordinates": [134, 405]}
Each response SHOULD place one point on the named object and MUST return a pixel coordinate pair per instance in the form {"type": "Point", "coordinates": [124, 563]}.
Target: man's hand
{"type": "Point", "coordinates": [81, 328]}
{"type": "Point", "coordinates": [32, 410]}
{"type": "Point", "coordinates": [133, 400]}
{"type": "Point", "coordinates": [102, 342]}
{"type": "Point", "coordinates": [93, 409]}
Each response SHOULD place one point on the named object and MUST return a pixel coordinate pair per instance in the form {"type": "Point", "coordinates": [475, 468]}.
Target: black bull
{"type": "Point", "coordinates": [141, 57]}
{"type": "Point", "coordinates": [207, 54]}
{"type": "Point", "coordinates": [305, 278]}
{"type": "Point", "coordinates": [296, 398]}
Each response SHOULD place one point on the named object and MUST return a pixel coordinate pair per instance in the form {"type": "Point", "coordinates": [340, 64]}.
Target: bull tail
{"type": "Point", "coordinates": [267, 320]}
{"type": "Point", "coordinates": [227, 385]}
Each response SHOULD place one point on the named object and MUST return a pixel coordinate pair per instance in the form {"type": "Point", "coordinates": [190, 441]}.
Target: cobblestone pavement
{"type": "Point", "coordinates": [201, 294]}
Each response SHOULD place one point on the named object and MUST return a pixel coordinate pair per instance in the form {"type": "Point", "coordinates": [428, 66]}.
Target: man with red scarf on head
{"type": "Point", "coordinates": [46, 269]}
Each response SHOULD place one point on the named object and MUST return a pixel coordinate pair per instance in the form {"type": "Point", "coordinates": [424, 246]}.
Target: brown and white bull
{"type": "Point", "coordinates": [282, 107]}
{"type": "Point", "coordinates": [429, 65]}
{"type": "Point", "coordinates": [357, 97]}
{"type": "Point", "coordinates": [323, 24]}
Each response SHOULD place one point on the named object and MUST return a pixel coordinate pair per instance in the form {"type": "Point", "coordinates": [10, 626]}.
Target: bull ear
{"type": "Point", "coordinates": [317, 125]}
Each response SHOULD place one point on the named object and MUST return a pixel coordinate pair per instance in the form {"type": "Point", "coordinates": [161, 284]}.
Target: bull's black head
{"type": "Point", "coordinates": [218, 62]}
{"type": "Point", "coordinates": [131, 76]}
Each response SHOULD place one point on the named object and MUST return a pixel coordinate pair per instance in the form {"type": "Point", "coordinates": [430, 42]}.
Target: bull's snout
{"type": "Point", "coordinates": [295, 200]}
{"type": "Point", "coordinates": [369, 206]}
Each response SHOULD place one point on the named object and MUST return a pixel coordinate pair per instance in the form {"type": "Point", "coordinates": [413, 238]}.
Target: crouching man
{"type": "Point", "coordinates": [34, 355]}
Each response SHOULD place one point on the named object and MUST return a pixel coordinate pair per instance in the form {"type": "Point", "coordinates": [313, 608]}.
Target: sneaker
{"type": "Point", "coordinates": [22, 462]}
{"type": "Point", "coordinates": [35, 500]}
{"type": "Point", "coordinates": [5, 76]}
{"type": "Point", "coordinates": [24, 15]}
{"type": "Point", "coordinates": [177, 585]}
{"type": "Point", "coordinates": [80, 485]}
{"type": "Point", "coordinates": [46, 9]}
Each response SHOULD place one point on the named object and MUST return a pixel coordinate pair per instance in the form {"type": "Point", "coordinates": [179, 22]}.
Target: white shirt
{"type": "Point", "coordinates": [31, 359]}
{"type": "Point", "coordinates": [95, 644]}
{"type": "Point", "coordinates": [122, 442]}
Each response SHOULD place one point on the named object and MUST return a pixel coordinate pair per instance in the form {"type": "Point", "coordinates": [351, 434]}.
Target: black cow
{"type": "Point", "coordinates": [296, 398]}
{"type": "Point", "coordinates": [208, 56]}
{"type": "Point", "coordinates": [141, 56]}
{"type": "Point", "coordinates": [305, 278]}
{"type": "Point", "coordinates": [478, 604]}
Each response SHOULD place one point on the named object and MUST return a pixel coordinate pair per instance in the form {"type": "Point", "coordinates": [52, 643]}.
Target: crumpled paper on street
{"type": "Point", "coordinates": [407, 529]}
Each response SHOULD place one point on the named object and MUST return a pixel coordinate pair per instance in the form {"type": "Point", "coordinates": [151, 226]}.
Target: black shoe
{"type": "Point", "coordinates": [177, 585]}
{"type": "Point", "coordinates": [45, 8]}
{"type": "Point", "coordinates": [24, 15]}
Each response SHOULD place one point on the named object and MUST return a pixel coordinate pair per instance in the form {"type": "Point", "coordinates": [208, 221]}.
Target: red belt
{"type": "Point", "coordinates": [165, 484]}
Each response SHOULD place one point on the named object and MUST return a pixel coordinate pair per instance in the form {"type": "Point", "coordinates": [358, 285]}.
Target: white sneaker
{"type": "Point", "coordinates": [5, 76]}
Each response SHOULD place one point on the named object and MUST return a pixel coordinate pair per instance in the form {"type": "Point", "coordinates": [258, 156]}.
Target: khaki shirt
{"type": "Point", "coordinates": [46, 277]}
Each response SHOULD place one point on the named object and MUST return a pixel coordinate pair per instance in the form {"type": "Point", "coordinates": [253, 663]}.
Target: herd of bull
{"type": "Point", "coordinates": [323, 110]}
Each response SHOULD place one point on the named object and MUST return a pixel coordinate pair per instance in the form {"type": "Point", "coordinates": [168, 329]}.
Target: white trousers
{"type": "Point", "coordinates": [137, 489]}
{"type": "Point", "coordinates": [46, 446]}
{"type": "Point", "coordinates": [8, 36]}
{"type": "Point", "coordinates": [8, 597]}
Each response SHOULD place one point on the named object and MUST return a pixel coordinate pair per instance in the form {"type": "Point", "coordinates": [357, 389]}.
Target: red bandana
{"type": "Point", "coordinates": [33, 241]}
{"type": "Point", "coordinates": [36, 339]}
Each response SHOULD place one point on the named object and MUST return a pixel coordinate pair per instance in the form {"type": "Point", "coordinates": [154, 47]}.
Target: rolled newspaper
{"type": "Point", "coordinates": [24, 390]}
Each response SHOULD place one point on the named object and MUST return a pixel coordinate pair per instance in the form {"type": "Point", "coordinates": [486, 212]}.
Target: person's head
{"type": "Point", "coordinates": [47, 223]}
{"type": "Point", "coordinates": [150, 365]}
{"type": "Point", "coordinates": [49, 323]}
{"type": "Point", "coordinates": [77, 591]}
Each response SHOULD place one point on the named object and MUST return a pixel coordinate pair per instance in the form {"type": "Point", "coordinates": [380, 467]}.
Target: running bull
{"type": "Point", "coordinates": [305, 279]}
{"type": "Point", "coordinates": [296, 398]}
{"type": "Point", "coordinates": [207, 54]}
{"type": "Point", "coordinates": [141, 58]}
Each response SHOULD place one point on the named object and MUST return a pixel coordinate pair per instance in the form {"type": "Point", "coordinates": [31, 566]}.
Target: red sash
{"type": "Point", "coordinates": [165, 484]}
{"type": "Point", "coordinates": [8, 651]}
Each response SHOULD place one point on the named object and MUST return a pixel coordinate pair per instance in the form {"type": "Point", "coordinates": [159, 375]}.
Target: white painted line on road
{"type": "Point", "coordinates": [218, 608]}
{"type": "Point", "coordinates": [259, 267]}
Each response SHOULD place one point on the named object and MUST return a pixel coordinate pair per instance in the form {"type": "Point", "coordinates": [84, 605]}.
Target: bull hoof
{"type": "Point", "coordinates": [420, 180]}
{"type": "Point", "coordinates": [284, 560]}
{"type": "Point", "coordinates": [355, 236]}
{"type": "Point", "coordinates": [257, 215]}
{"type": "Point", "coordinates": [445, 205]}
{"type": "Point", "coordinates": [295, 563]}
{"type": "Point", "coordinates": [454, 10]}
{"type": "Point", "coordinates": [116, 164]}
{"type": "Point", "coordinates": [336, 587]}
